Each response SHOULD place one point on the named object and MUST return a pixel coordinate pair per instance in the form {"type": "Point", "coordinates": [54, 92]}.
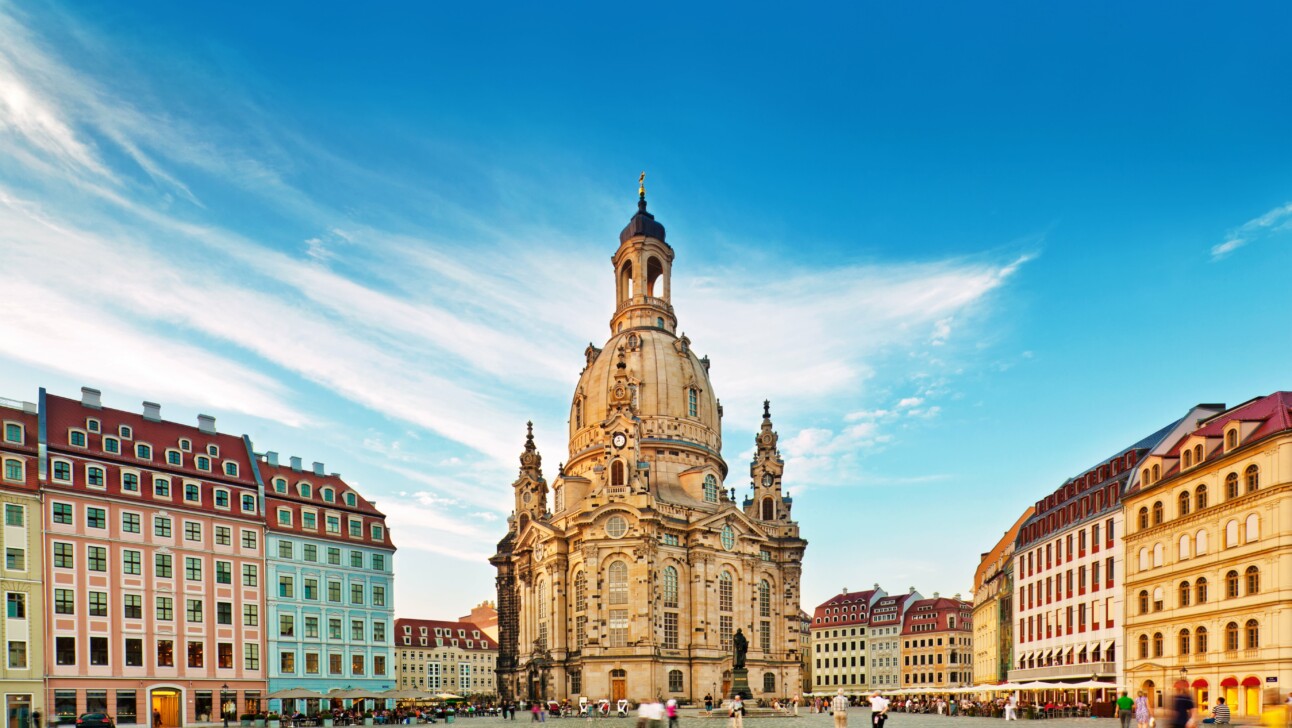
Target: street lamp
{"type": "Point", "coordinates": [224, 703]}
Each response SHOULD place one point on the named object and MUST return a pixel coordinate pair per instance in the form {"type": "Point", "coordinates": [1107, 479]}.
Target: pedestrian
{"type": "Point", "coordinates": [670, 709]}
{"type": "Point", "coordinates": [708, 702]}
{"type": "Point", "coordinates": [797, 698]}
{"type": "Point", "coordinates": [35, 718]}
{"type": "Point", "coordinates": [1011, 708]}
{"type": "Point", "coordinates": [878, 710]}
{"type": "Point", "coordinates": [1183, 709]}
{"type": "Point", "coordinates": [1126, 709]}
{"type": "Point", "coordinates": [1143, 713]}
{"type": "Point", "coordinates": [157, 718]}
{"type": "Point", "coordinates": [839, 709]}
{"type": "Point", "coordinates": [1221, 712]}
{"type": "Point", "coordinates": [737, 712]}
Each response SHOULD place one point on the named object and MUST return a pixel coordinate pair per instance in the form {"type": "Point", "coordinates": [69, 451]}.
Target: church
{"type": "Point", "coordinates": [633, 571]}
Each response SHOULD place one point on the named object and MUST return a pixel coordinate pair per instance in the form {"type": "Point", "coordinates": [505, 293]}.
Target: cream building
{"type": "Point", "coordinates": [1209, 555]}
{"type": "Point", "coordinates": [993, 608]}
{"type": "Point", "coordinates": [23, 668]}
{"type": "Point", "coordinates": [440, 656]}
{"type": "Point", "coordinates": [629, 574]}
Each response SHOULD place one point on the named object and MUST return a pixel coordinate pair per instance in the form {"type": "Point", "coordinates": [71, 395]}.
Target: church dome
{"type": "Point", "coordinates": [672, 396]}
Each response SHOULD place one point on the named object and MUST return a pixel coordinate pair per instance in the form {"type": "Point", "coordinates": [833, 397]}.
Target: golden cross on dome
{"type": "Point", "coordinates": [641, 186]}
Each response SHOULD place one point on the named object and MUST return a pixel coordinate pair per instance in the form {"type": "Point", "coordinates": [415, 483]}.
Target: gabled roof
{"type": "Point", "coordinates": [480, 641]}
{"type": "Point", "coordinates": [1273, 412]}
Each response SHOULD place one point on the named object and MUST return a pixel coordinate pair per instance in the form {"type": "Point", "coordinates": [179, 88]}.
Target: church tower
{"type": "Point", "coordinates": [633, 583]}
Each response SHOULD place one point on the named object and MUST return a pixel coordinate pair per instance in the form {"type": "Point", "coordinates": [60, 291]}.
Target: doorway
{"type": "Point", "coordinates": [166, 708]}
{"type": "Point", "coordinates": [19, 711]}
{"type": "Point", "coordinates": [618, 685]}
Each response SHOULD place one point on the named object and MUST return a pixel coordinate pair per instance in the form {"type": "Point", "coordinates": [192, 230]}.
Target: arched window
{"type": "Point", "coordinates": [617, 472]}
{"type": "Point", "coordinates": [1252, 475]}
{"type": "Point", "coordinates": [1231, 534]}
{"type": "Point", "coordinates": [1200, 590]}
{"type": "Point", "coordinates": [617, 576]}
{"type": "Point", "coordinates": [1200, 498]}
{"type": "Point", "coordinates": [1143, 518]}
{"type": "Point", "coordinates": [1231, 636]}
{"type": "Point", "coordinates": [1143, 559]}
{"type": "Point", "coordinates": [1231, 439]}
{"type": "Point", "coordinates": [764, 599]}
{"type": "Point", "coordinates": [1201, 642]}
{"type": "Point", "coordinates": [1159, 554]}
{"type": "Point", "coordinates": [670, 586]}
{"type": "Point", "coordinates": [1158, 512]}
{"type": "Point", "coordinates": [1157, 473]}
{"type": "Point", "coordinates": [1197, 454]}
{"type": "Point", "coordinates": [1143, 647]}
{"type": "Point", "coordinates": [1144, 476]}
{"type": "Point", "coordinates": [1188, 458]}
{"type": "Point", "coordinates": [1184, 547]}
{"type": "Point", "coordinates": [1185, 641]}
{"type": "Point", "coordinates": [653, 272]}
{"type": "Point", "coordinates": [1184, 503]}
{"type": "Point", "coordinates": [769, 509]}
{"type": "Point", "coordinates": [580, 591]}
{"type": "Point", "coordinates": [1231, 584]}
{"type": "Point", "coordinates": [1253, 528]}
{"type": "Point", "coordinates": [543, 609]}
{"type": "Point", "coordinates": [1200, 543]}
{"type": "Point", "coordinates": [578, 413]}
{"type": "Point", "coordinates": [1186, 591]}
{"type": "Point", "coordinates": [1253, 631]}
{"type": "Point", "coordinates": [724, 591]}
{"type": "Point", "coordinates": [1159, 599]}
{"type": "Point", "coordinates": [1158, 643]}
{"type": "Point", "coordinates": [692, 400]}
{"type": "Point", "coordinates": [769, 682]}
{"type": "Point", "coordinates": [1143, 601]}
{"type": "Point", "coordinates": [1253, 575]}
{"type": "Point", "coordinates": [1231, 486]}
{"type": "Point", "coordinates": [675, 681]}
{"type": "Point", "coordinates": [558, 496]}
{"type": "Point", "coordinates": [710, 489]}
{"type": "Point", "coordinates": [626, 281]}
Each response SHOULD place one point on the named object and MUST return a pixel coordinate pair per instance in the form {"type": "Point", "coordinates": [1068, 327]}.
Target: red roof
{"type": "Point", "coordinates": [448, 631]}
{"type": "Point", "coordinates": [293, 500]}
{"type": "Point", "coordinates": [27, 450]}
{"type": "Point", "coordinates": [935, 612]}
{"type": "Point", "coordinates": [853, 608]}
{"type": "Point", "coordinates": [1273, 412]}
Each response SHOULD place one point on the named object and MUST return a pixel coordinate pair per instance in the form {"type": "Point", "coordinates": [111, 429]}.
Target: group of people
{"type": "Point", "coordinates": [1182, 712]}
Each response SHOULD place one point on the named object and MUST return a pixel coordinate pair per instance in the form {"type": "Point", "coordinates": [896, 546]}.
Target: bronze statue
{"type": "Point", "coordinates": [741, 646]}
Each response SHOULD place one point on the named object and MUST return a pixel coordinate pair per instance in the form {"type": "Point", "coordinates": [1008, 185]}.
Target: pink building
{"type": "Point", "coordinates": [154, 538]}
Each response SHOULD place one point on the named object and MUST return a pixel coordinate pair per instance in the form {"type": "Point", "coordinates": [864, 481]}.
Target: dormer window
{"type": "Point", "coordinates": [378, 533]}
{"type": "Point", "coordinates": [92, 425]}
{"type": "Point", "coordinates": [174, 457]}
{"type": "Point", "coordinates": [327, 494]}
{"type": "Point", "coordinates": [351, 500]}
{"type": "Point", "coordinates": [125, 432]}
{"type": "Point", "coordinates": [305, 490]}
{"type": "Point", "coordinates": [203, 462]}
{"type": "Point", "coordinates": [408, 629]}
{"type": "Point", "coordinates": [1231, 438]}
{"type": "Point", "coordinates": [192, 492]}
{"type": "Point", "coordinates": [231, 468]}
{"type": "Point", "coordinates": [280, 485]}
{"type": "Point", "coordinates": [186, 445]}
{"type": "Point", "coordinates": [143, 452]}
{"type": "Point", "coordinates": [1188, 458]}
{"type": "Point", "coordinates": [76, 438]}
{"type": "Point", "coordinates": [111, 444]}
{"type": "Point", "coordinates": [221, 498]}
{"type": "Point", "coordinates": [13, 432]}
{"type": "Point", "coordinates": [213, 450]}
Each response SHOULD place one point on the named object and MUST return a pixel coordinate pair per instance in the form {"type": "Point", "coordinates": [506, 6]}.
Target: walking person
{"type": "Point", "coordinates": [1184, 712]}
{"type": "Point", "coordinates": [737, 712]}
{"type": "Point", "coordinates": [1143, 713]}
{"type": "Point", "coordinates": [35, 718]}
{"type": "Point", "coordinates": [839, 709]}
{"type": "Point", "coordinates": [878, 710]}
{"type": "Point", "coordinates": [1126, 709]}
{"type": "Point", "coordinates": [670, 709]}
{"type": "Point", "coordinates": [1011, 708]}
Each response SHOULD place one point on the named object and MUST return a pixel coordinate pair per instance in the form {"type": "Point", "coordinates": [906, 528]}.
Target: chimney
{"type": "Point", "coordinates": [937, 595]}
{"type": "Point", "coordinates": [876, 586]}
{"type": "Point", "coordinates": [958, 597]}
{"type": "Point", "coordinates": [912, 590]}
{"type": "Point", "coordinates": [152, 412]}
{"type": "Point", "coordinates": [91, 398]}
{"type": "Point", "coordinates": [845, 590]}
{"type": "Point", "coordinates": [318, 468]}
{"type": "Point", "coordinates": [206, 423]}
{"type": "Point", "coordinates": [296, 464]}
{"type": "Point", "coordinates": [271, 457]}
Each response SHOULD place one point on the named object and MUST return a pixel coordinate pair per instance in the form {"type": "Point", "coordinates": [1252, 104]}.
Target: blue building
{"type": "Point", "coordinates": [329, 583]}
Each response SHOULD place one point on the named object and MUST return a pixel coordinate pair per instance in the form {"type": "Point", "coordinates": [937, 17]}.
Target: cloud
{"type": "Point", "coordinates": [1277, 220]}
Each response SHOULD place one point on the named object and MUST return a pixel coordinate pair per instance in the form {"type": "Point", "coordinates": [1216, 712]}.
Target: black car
{"type": "Point", "coordinates": [95, 720]}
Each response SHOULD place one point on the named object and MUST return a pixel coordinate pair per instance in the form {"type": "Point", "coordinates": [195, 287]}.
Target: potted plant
{"type": "Point", "coordinates": [367, 717]}
{"type": "Point", "coordinates": [258, 720]}
{"type": "Point", "coordinates": [327, 720]}
{"type": "Point", "coordinates": [273, 720]}
{"type": "Point", "coordinates": [245, 719]}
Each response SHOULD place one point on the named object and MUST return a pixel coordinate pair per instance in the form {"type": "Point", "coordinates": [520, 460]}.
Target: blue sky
{"type": "Point", "coordinates": [968, 250]}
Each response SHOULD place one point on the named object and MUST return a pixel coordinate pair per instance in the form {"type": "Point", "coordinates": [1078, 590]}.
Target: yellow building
{"type": "Point", "coordinates": [937, 644]}
{"type": "Point", "coordinates": [22, 669]}
{"type": "Point", "coordinates": [1209, 559]}
{"type": "Point", "coordinates": [631, 574]}
{"type": "Point", "coordinates": [993, 610]}
{"type": "Point", "coordinates": [442, 656]}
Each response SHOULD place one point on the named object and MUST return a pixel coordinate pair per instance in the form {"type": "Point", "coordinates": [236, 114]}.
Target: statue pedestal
{"type": "Point", "coordinates": [740, 684]}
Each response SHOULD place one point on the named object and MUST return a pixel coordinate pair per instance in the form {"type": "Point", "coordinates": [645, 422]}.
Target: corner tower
{"type": "Point", "coordinates": [635, 580]}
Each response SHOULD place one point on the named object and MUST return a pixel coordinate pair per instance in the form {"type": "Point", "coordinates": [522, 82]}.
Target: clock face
{"type": "Point", "coordinates": [619, 439]}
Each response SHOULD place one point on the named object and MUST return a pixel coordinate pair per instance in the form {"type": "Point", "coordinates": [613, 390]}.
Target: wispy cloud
{"type": "Point", "coordinates": [1276, 221]}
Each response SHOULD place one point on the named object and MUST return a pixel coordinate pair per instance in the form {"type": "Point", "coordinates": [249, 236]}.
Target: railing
{"type": "Point", "coordinates": [645, 301]}
{"type": "Point", "coordinates": [1076, 670]}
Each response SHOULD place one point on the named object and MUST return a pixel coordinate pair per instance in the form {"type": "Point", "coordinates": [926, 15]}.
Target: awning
{"type": "Point", "coordinates": [1229, 682]}
{"type": "Point", "coordinates": [1199, 683]}
{"type": "Point", "coordinates": [1251, 682]}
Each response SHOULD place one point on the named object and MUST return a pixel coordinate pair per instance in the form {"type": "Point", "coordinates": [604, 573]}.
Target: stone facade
{"type": "Point", "coordinates": [1208, 557]}
{"type": "Point", "coordinates": [629, 573]}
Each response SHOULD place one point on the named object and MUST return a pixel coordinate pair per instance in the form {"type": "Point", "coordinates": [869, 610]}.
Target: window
{"type": "Point", "coordinates": [769, 682]}
{"type": "Point", "coordinates": [192, 492]}
{"type": "Point", "coordinates": [710, 489]}
{"type": "Point", "coordinates": [378, 532]}
{"type": "Point", "coordinates": [1253, 632]}
{"type": "Point", "coordinates": [223, 536]}
{"type": "Point", "coordinates": [173, 457]}
{"type": "Point", "coordinates": [134, 654]}
{"type": "Point", "coordinates": [284, 548]}
{"type": "Point", "coordinates": [13, 470]}
{"type": "Point", "coordinates": [670, 586]}
{"type": "Point", "coordinates": [165, 653]}
{"type": "Point", "coordinates": [765, 600]}
{"type": "Point", "coordinates": [378, 562]}
{"type": "Point", "coordinates": [94, 477]}
{"type": "Point", "coordinates": [192, 531]}
{"type": "Point", "coordinates": [161, 526]}
{"type": "Point", "coordinates": [130, 482]}
{"type": "Point", "coordinates": [1157, 512]}
{"type": "Point", "coordinates": [692, 401]}
{"type": "Point", "coordinates": [1184, 503]}
{"type": "Point", "coordinates": [96, 518]}
{"type": "Point", "coordinates": [16, 605]}
{"type": "Point", "coordinates": [221, 498]}
{"type": "Point", "coordinates": [223, 572]}
{"type": "Point", "coordinates": [1231, 584]}
{"type": "Point", "coordinates": [203, 462]}
{"type": "Point", "coordinates": [675, 681]}
{"type": "Point", "coordinates": [1201, 640]}
{"type": "Point", "coordinates": [724, 591]}
{"type": "Point", "coordinates": [1231, 534]}
{"type": "Point", "coordinates": [192, 568]}
{"type": "Point", "coordinates": [1200, 497]}
{"type": "Point", "coordinates": [62, 513]}
{"type": "Point", "coordinates": [65, 651]}
{"type": "Point", "coordinates": [162, 566]}
{"type": "Point", "coordinates": [1186, 591]}
{"type": "Point", "coordinates": [64, 557]}
{"type": "Point", "coordinates": [334, 591]}
{"type": "Point", "coordinates": [130, 522]}
{"type": "Point", "coordinates": [1231, 636]}
{"type": "Point", "coordinates": [334, 629]}
{"type": "Point", "coordinates": [1200, 543]}
{"type": "Point", "coordinates": [357, 630]}
{"type": "Point", "coordinates": [309, 520]}
{"type": "Point", "coordinates": [64, 601]}
{"type": "Point", "coordinates": [224, 613]}
{"type": "Point", "coordinates": [111, 444]}
{"type": "Point", "coordinates": [231, 469]}
{"type": "Point", "coordinates": [1157, 644]}
{"type": "Point", "coordinates": [161, 488]}
{"type": "Point", "coordinates": [356, 593]}
{"type": "Point", "coordinates": [224, 655]}
{"type": "Point", "coordinates": [76, 438]}
{"type": "Point", "coordinates": [249, 540]}
{"type": "Point", "coordinates": [62, 471]}
{"type": "Point", "coordinates": [1143, 518]}
{"type": "Point", "coordinates": [286, 587]}
{"type": "Point", "coordinates": [617, 576]}
{"type": "Point", "coordinates": [286, 625]}
{"type": "Point", "coordinates": [13, 432]}
{"type": "Point", "coordinates": [98, 606]}
{"type": "Point", "coordinates": [351, 500]}
{"type": "Point", "coordinates": [251, 614]}
{"type": "Point", "coordinates": [1184, 547]}
{"type": "Point", "coordinates": [133, 607]}
{"type": "Point", "coordinates": [248, 503]}
{"type": "Point", "coordinates": [1253, 575]}
{"type": "Point", "coordinates": [1231, 486]}
{"type": "Point", "coordinates": [334, 556]}
{"type": "Point", "coordinates": [580, 591]}
{"type": "Point", "coordinates": [143, 452]}
{"type": "Point", "coordinates": [196, 654]}
{"type": "Point", "coordinates": [378, 596]}
{"type": "Point", "coordinates": [618, 627]}
{"type": "Point", "coordinates": [356, 529]}
{"type": "Point", "coordinates": [15, 559]}
{"type": "Point", "coordinates": [193, 611]}
{"type": "Point", "coordinates": [334, 524]}
{"type": "Point", "coordinates": [1143, 602]}
{"type": "Point", "coordinates": [356, 559]}
{"type": "Point", "coordinates": [1200, 590]}
{"type": "Point", "coordinates": [1252, 476]}
{"type": "Point", "coordinates": [1253, 528]}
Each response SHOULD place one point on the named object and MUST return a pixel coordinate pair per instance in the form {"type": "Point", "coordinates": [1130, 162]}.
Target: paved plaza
{"type": "Point", "coordinates": [857, 718]}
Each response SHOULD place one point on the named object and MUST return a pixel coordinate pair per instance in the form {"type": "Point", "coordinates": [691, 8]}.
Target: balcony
{"type": "Point", "coordinates": [1083, 671]}
{"type": "Point", "coordinates": [653, 301]}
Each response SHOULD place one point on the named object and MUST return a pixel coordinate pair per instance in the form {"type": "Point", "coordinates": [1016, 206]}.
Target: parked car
{"type": "Point", "coordinates": [95, 720]}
